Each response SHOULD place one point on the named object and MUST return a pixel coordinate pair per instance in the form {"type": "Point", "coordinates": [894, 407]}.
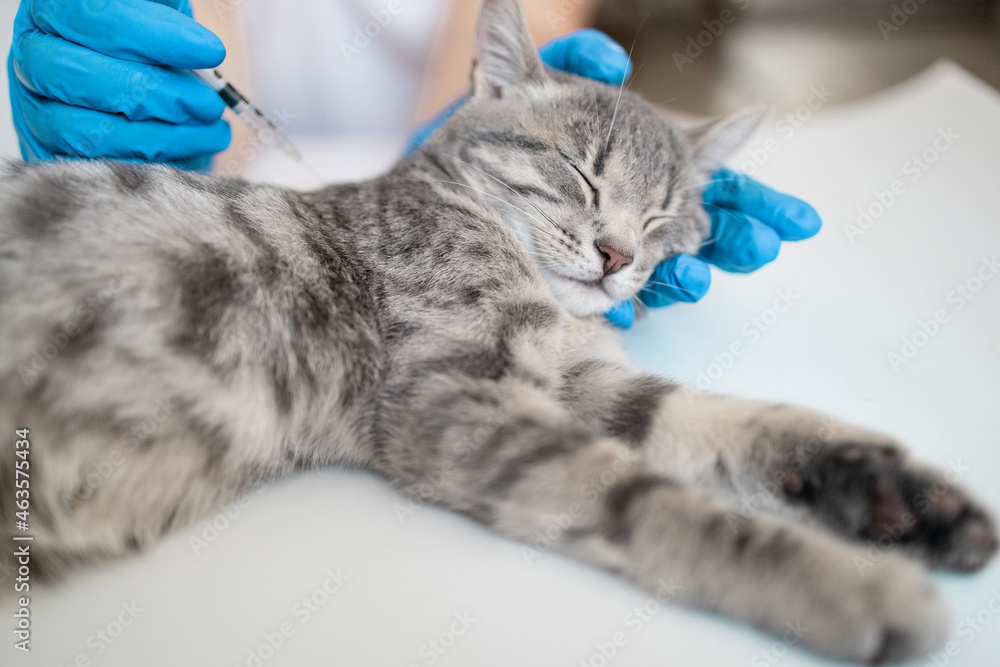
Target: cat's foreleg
{"type": "Point", "coordinates": [784, 459]}
{"type": "Point", "coordinates": [514, 459]}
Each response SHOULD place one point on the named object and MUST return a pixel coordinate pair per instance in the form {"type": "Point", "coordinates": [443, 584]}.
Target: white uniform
{"type": "Point", "coordinates": [340, 66]}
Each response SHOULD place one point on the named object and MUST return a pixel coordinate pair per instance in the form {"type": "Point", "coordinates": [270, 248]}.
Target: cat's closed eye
{"type": "Point", "coordinates": [595, 193]}
{"type": "Point", "coordinates": [666, 211]}
{"type": "Point", "coordinates": [650, 221]}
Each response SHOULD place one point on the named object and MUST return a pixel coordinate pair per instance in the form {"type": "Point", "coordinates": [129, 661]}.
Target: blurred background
{"type": "Point", "coordinates": [775, 51]}
{"type": "Point", "coordinates": [698, 57]}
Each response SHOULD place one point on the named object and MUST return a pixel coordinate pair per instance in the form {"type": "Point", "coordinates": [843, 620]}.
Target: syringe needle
{"type": "Point", "coordinates": [265, 128]}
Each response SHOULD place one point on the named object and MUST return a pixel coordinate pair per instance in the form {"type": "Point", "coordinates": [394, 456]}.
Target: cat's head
{"type": "Point", "coordinates": [599, 184]}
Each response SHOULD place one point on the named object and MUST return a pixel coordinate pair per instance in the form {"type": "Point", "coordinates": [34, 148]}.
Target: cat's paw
{"type": "Point", "coordinates": [905, 616]}
{"type": "Point", "coordinates": [872, 493]}
{"type": "Point", "coordinates": [887, 613]}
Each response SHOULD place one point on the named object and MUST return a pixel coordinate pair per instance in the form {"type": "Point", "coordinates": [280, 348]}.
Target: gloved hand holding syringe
{"type": "Point", "coordinates": [109, 80]}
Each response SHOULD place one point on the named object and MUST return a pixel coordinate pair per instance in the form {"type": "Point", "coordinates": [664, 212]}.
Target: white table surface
{"type": "Point", "coordinates": [408, 581]}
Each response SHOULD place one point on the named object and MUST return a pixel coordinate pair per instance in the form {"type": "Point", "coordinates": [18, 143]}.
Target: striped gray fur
{"type": "Point", "coordinates": [172, 340]}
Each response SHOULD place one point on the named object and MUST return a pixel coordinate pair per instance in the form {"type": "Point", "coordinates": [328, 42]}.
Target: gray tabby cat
{"type": "Point", "coordinates": [173, 340]}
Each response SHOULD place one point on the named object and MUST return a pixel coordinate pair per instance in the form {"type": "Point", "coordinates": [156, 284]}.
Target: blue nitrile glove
{"type": "Point", "coordinates": [98, 79]}
{"type": "Point", "coordinates": [588, 53]}
{"type": "Point", "coordinates": [749, 222]}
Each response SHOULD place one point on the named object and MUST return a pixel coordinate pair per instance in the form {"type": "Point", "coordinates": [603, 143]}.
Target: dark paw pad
{"type": "Point", "coordinates": [869, 493]}
{"type": "Point", "coordinates": [890, 515]}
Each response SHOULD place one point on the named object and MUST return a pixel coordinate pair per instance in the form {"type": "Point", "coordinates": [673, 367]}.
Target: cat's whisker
{"type": "Point", "coordinates": [708, 241]}
{"type": "Point", "coordinates": [722, 209]}
{"type": "Point", "coordinates": [540, 228]}
{"type": "Point", "coordinates": [621, 89]}
{"type": "Point", "coordinates": [701, 187]}
{"type": "Point", "coordinates": [656, 283]}
{"type": "Point", "coordinates": [552, 251]}
{"type": "Point", "coordinates": [637, 70]}
{"type": "Point", "coordinates": [540, 259]}
{"type": "Point", "coordinates": [533, 222]}
{"type": "Point", "coordinates": [637, 305]}
{"type": "Point", "coordinates": [546, 252]}
{"type": "Point", "coordinates": [704, 185]}
{"type": "Point", "coordinates": [672, 181]}
{"type": "Point", "coordinates": [509, 187]}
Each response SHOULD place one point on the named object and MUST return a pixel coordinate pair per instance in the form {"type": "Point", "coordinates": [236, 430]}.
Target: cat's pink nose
{"type": "Point", "coordinates": [614, 260]}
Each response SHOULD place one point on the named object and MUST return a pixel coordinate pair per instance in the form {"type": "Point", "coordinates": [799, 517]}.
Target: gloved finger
{"type": "Point", "coordinates": [792, 218]}
{"type": "Point", "coordinates": [29, 148]}
{"type": "Point", "coordinates": [137, 30]}
{"type": "Point", "coordinates": [52, 67]}
{"type": "Point", "coordinates": [682, 278]}
{"type": "Point", "coordinates": [588, 53]}
{"type": "Point", "coordinates": [741, 243]}
{"type": "Point", "coordinates": [622, 315]}
{"type": "Point", "coordinates": [61, 129]}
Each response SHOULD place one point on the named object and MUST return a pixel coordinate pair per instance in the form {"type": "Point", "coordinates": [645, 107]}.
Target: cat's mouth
{"type": "Point", "coordinates": [589, 285]}
{"type": "Point", "coordinates": [581, 297]}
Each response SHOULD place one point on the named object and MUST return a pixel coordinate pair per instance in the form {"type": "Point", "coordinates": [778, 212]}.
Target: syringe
{"type": "Point", "coordinates": [265, 128]}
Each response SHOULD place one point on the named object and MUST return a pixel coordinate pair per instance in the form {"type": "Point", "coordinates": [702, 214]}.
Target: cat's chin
{"type": "Point", "coordinates": [580, 298]}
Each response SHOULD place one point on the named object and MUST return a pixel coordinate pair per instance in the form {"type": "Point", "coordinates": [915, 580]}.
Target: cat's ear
{"type": "Point", "coordinates": [717, 140]}
{"type": "Point", "coordinates": [505, 53]}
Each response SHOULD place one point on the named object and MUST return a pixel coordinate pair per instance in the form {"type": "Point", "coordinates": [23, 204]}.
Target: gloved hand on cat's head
{"type": "Point", "coordinates": [749, 219]}
{"type": "Point", "coordinates": [98, 80]}
{"type": "Point", "coordinates": [588, 53]}
{"type": "Point", "coordinates": [749, 222]}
